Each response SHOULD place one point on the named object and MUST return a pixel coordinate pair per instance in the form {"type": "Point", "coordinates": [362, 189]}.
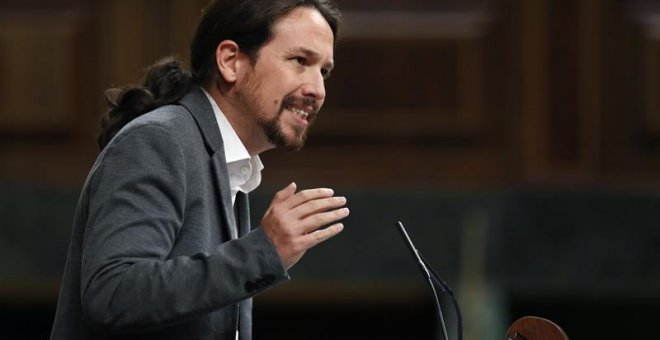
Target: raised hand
{"type": "Point", "coordinates": [293, 220]}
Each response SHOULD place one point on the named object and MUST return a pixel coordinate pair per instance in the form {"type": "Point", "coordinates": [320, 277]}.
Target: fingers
{"type": "Point", "coordinates": [317, 205]}
{"type": "Point", "coordinates": [305, 196]}
{"type": "Point", "coordinates": [282, 195]}
{"type": "Point", "coordinates": [313, 209]}
{"type": "Point", "coordinates": [317, 220]}
{"type": "Point", "coordinates": [312, 239]}
{"type": "Point", "coordinates": [293, 220]}
{"type": "Point", "coordinates": [285, 193]}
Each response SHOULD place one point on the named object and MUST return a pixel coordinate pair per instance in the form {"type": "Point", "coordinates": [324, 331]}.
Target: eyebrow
{"type": "Point", "coordinates": [330, 65]}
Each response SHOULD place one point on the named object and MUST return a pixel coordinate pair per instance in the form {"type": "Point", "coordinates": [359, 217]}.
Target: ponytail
{"type": "Point", "coordinates": [165, 83]}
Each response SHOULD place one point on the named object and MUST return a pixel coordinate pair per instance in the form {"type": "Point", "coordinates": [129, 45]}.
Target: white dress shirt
{"type": "Point", "coordinates": [244, 170]}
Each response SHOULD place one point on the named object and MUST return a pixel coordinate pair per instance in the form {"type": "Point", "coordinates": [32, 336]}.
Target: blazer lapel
{"type": "Point", "coordinates": [199, 107]}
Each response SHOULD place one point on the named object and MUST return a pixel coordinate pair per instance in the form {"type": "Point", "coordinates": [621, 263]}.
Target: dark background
{"type": "Point", "coordinates": [518, 141]}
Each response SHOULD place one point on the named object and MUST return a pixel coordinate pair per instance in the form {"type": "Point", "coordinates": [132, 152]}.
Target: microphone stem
{"type": "Point", "coordinates": [437, 302]}
{"type": "Point", "coordinates": [445, 287]}
{"type": "Point", "coordinates": [432, 277]}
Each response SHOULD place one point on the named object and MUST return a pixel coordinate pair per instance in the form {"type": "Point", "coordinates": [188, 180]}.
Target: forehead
{"type": "Point", "coordinates": [303, 28]}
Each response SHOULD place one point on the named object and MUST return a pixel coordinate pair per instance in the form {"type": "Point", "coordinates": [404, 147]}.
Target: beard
{"type": "Point", "coordinates": [273, 128]}
{"type": "Point", "coordinates": [275, 131]}
{"type": "Point", "coordinates": [275, 134]}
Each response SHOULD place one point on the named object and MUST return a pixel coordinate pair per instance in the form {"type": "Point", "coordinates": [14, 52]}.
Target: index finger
{"type": "Point", "coordinates": [307, 195]}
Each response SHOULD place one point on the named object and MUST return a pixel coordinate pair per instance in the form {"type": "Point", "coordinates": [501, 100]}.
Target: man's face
{"type": "Point", "coordinates": [285, 89]}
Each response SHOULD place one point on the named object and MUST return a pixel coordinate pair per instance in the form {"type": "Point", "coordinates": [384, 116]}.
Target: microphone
{"type": "Point", "coordinates": [431, 276]}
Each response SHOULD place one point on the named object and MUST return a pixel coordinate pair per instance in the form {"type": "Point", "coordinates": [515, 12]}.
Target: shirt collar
{"type": "Point", "coordinates": [234, 148]}
{"type": "Point", "coordinates": [236, 155]}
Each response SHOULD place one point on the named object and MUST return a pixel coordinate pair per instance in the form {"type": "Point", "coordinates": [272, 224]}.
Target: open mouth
{"type": "Point", "coordinates": [303, 109]}
{"type": "Point", "coordinates": [300, 113]}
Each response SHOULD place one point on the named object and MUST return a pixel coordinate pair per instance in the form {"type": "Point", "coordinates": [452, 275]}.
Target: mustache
{"type": "Point", "coordinates": [293, 101]}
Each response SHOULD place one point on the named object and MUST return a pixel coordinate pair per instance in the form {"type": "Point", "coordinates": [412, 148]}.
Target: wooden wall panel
{"type": "Point", "coordinates": [631, 141]}
{"type": "Point", "coordinates": [561, 96]}
{"type": "Point", "coordinates": [480, 93]}
{"type": "Point", "coordinates": [650, 59]}
{"type": "Point", "coordinates": [38, 65]}
{"type": "Point", "coordinates": [407, 76]}
{"type": "Point", "coordinates": [135, 34]}
{"type": "Point", "coordinates": [45, 83]}
{"type": "Point", "coordinates": [563, 77]}
{"type": "Point", "coordinates": [55, 64]}
{"type": "Point", "coordinates": [411, 90]}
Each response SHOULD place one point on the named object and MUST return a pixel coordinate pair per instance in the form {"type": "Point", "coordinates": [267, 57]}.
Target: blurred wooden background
{"type": "Point", "coordinates": [534, 103]}
{"type": "Point", "coordinates": [483, 93]}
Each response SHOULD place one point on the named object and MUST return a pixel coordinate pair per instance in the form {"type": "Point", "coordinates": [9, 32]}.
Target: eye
{"type": "Point", "coordinates": [325, 72]}
{"type": "Point", "coordinates": [300, 60]}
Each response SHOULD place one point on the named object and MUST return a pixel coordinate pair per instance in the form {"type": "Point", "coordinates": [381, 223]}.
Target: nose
{"type": "Point", "coordinates": [314, 86]}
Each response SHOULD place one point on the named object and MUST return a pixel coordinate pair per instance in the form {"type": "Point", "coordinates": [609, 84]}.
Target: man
{"type": "Point", "coordinates": [162, 246]}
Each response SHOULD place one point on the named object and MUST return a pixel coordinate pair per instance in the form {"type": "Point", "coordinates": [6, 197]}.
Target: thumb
{"type": "Point", "coordinates": [285, 193]}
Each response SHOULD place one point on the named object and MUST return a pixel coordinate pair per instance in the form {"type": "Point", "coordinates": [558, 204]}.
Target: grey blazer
{"type": "Point", "coordinates": [156, 251]}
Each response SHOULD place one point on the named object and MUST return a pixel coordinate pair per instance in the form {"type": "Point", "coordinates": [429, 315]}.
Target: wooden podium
{"type": "Point", "coordinates": [535, 328]}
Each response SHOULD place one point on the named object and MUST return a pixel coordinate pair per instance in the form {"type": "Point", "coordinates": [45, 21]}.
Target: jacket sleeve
{"type": "Point", "coordinates": [136, 207]}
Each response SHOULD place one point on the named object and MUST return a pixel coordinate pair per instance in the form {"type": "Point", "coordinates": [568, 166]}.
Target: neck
{"type": "Point", "coordinates": [250, 133]}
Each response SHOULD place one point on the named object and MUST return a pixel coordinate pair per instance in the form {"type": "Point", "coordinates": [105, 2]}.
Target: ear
{"type": "Point", "coordinates": [226, 59]}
